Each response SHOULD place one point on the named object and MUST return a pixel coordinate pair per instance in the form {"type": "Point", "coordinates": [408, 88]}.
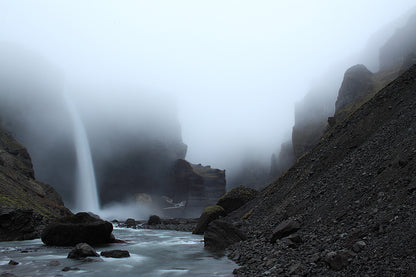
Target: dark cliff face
{"type": "Point", "coordinates": [200, 186]}
{"type": "Point", "coordinates": [18, 187]}
{"type": "Point", "coordinates": [357, 83]}
{"type": "Point", "coordinates": [357, 185]}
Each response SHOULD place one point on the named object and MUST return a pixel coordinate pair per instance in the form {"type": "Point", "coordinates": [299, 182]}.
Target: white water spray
{"type": "Point", "coordinates": [86, 190]}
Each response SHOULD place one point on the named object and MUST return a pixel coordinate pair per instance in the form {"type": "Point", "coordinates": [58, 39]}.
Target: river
{"type": "Point", "coordinates": [152, 253]}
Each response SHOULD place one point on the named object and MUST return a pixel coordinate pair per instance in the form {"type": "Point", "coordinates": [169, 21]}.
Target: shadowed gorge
{"type": "Point", "coordinates": [281, 134]}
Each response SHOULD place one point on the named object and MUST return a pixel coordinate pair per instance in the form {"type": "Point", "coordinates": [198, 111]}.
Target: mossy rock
{"type": "Point", "coordinates": [210, 213]}
{"type": "Point", "coordinates": [236, 198]}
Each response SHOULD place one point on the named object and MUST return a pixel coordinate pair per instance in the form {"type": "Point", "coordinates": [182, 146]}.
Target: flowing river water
{"type": "Point", "coordinates": [152, 253]}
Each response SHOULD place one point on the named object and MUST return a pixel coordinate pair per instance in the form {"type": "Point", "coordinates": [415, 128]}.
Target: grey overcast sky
{"type": "Point", "coordinates": [233, 68]}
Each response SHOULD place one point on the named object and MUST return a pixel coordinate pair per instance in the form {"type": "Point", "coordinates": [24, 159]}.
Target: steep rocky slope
{"type": "Point", "coordinates": [24, 202]}
{"type": "Point", "coordinates": [359, 85]}
{"type": "Point", "coordinates": [353, 196]}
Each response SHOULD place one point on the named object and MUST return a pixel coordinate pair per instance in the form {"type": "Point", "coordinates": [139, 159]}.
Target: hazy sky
{"type": "Point", "coordinates": [233, 68]}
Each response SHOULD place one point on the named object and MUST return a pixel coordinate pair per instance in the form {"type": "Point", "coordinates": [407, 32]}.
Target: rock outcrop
{"type": "Point", "coordinates": [356, 185]}
{"type": "Point", "coordinates": [79, 228]}
{"type": "Point", "coordinates": [25, 203]}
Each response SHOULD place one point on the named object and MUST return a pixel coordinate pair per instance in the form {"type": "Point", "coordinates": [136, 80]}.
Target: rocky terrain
{"type": "Point", "coordinates": [315, 113]}
{"type": "Point", "coordinates": [25, 203]}
{"type": "Point", "coordinates": [346, 208]}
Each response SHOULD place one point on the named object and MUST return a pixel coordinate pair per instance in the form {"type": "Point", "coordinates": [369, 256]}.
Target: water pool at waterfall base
{"type": "Point", "coordinates": [152, 253]}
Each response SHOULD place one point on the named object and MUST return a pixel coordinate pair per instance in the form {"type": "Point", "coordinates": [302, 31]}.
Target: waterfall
{"type": "Point", "coordinates": [86, 186]}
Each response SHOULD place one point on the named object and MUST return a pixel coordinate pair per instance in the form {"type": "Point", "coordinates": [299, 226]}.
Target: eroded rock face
{"type": "Point", "coordinates": [78, 228]}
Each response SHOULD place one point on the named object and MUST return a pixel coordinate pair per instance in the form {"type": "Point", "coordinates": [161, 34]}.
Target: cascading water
{"type": "Point", "coordinates": [86, 189]}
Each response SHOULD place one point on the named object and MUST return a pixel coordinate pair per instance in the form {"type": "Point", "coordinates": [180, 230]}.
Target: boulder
{"type": "Point", "coordinates": [154, 220]}
{"type": "Point", "coordinates": [210, 213]}
{"type": "Point", "coordinates": [81, 251]}
{"type": "Point", "coordinates": [284, 229]}
{"type": "Point", "coordinates": [78, 228]}
{"type": "Point", "coordinates": [130, 223]}
{"type": "Point", "coordinates": [221, 234]}
{"type": "Point", "coordinates": [236, 198]}
{"type": "Point", "coordinates": [115, 254]}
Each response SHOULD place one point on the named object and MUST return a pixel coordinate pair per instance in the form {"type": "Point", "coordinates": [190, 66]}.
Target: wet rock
{"type": "Point", "coordinates": [338, 260]}
{"type": "Point", "coordinates": [115, 254]}
{"type": "Point", "coordinates": [130, 223]}
{"type": "Point", "coordinates": [154, 220]}
{"type": "Point", "coordinates": [67, 268]}
{"type": "Point", "coordinates": [221, 234]}
{"type": "Point", "coordinates": [13, 262]}
{"type": "Point", "coordinates": [284, 229]}
{"type": "Point", "coordinates": [82, 250]}
{"type": "Point", "coordinates": [78, 228]}
{"type": "Point", "coordinates": [210, 214]}
{"type": "Point", "coordinates": [236, 198]}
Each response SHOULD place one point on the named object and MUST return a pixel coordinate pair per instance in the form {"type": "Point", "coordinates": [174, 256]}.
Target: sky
{"type": "Point", "coordinates": [233, 69]}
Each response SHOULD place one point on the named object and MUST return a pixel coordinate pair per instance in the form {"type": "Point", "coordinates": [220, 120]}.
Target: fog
{"type": "Point", "coordinates": [226, 74]}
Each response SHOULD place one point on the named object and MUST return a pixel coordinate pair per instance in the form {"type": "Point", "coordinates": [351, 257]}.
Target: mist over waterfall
{"type": "Point", "coordinates": [86, 187]}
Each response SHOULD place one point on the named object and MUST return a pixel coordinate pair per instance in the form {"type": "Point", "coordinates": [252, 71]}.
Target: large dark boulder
{"type": "Point", "coordinates": [236, 198]}
{"type": "Point", "coordinates": [19, 224]}
{"type": "Point", "coordinates": [210, 213]}
{"type": "Point", "coordinates": [78, 228]}
{"type": "Point", "coordinates": [221, 234]}
{"type": "Point", "coordinates": [81, 251]}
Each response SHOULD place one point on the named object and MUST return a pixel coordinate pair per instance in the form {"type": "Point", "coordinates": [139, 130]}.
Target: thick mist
{"type": "Point", "coordinates": [221, 77]}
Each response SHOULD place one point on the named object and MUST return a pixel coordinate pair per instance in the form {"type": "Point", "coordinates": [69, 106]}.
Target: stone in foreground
{"type": "Point", "coordinates": [82, 227]}
{"type": "Point", "coordinates": [81, 251]}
